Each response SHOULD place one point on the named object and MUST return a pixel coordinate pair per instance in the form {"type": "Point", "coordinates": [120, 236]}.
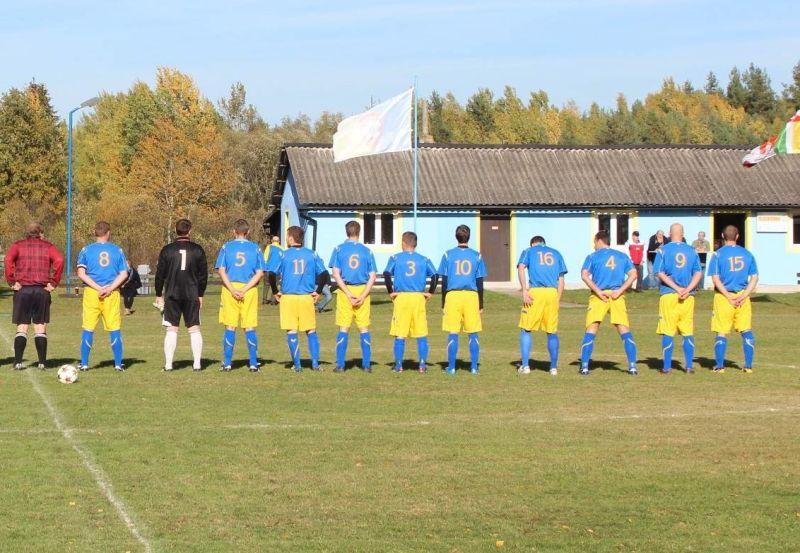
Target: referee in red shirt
{"type": "Point", "coordinates": [33, 268]}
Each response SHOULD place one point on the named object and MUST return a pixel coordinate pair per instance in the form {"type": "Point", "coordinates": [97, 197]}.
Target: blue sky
{"type": "Point", "coordinates": [295, 56]}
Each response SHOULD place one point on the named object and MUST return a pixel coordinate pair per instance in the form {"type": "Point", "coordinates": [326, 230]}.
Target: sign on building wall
{"type": "Point", "coordinates": [771, 222]}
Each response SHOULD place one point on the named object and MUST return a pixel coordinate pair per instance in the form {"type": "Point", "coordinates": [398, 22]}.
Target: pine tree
{"type": "Point", "coordinates": [760, 98]}
{"type": "Point", "coordinates": [791, 92]}
{"type": "Point", "coordinates": [712, 84]}
{"type": "Point", "coordinates": [736, 92]}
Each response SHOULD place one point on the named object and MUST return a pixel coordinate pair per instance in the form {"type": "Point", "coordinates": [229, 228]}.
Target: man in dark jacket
{"type": "Point", "coordinates": [130, 289]}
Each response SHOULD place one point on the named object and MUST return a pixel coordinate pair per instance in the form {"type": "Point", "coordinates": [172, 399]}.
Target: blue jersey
{"type": "Point", "coordinates": [545, 265]}
{"type": "Point", "coordinates": [678, 261]}
{"type": "Point", "coordinates": [298, 269]}
{"type": "Point", "coordinates": [241, 259]}
{"type": "Point", "coordinates": [354, 261]}
{"type": "Point", "coordinates": [462, 267]}
{"type": "Point", "coordinates": [609, 268]}
{"type": "Point", "coordinates": [734, 266]}
{"type": "Point", "coordinates": [410, 271]}
{"type": "Point", "coordinates": [103, 262]}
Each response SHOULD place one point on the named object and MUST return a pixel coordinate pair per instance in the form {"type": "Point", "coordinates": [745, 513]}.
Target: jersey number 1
{"type": "Point", "coordinates": [183, 259]}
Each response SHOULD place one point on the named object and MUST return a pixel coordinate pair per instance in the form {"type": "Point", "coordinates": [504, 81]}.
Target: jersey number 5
{"type": "Point", "coordinates": [240, 259]}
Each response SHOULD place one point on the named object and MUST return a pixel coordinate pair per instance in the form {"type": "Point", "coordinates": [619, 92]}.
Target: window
{"type": "Point", "coordinates": [379, 228]}
{"type": "Point", "coordinates": [617, 225]}
{"type": "Point", "coordinates": [796, 229]}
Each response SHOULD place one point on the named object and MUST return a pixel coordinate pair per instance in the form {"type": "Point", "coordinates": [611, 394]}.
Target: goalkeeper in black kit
{"type": "Point", "coordinates": [181, 279]}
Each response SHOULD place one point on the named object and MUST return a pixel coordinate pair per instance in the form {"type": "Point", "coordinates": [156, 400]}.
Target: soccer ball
{"type": "Point", "coordinates": [68, 374]}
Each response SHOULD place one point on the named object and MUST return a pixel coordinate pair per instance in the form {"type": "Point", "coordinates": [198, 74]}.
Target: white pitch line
{"type": "Point", "coordinates": [97, 472]}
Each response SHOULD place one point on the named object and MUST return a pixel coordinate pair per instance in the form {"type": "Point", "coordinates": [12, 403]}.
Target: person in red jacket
{"type": "Point", "coordinates": [33, 268]}
{"type": "Point", "coordinates": [636, 251]}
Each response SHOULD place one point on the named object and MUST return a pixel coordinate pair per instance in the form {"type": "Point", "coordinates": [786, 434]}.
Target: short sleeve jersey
{"type": "Point", "coordinates": [103, 262]}
{"type": "Point", "coordinates": [678, 261]}
{"type": "Point", "coordinates": [298, 269]}
{"type": "Point", "coordinates": [609, 268]}
{"type": "Point", "coordinates": [545, 265]}
{"type": "Point", "coordinates": [410, 271]}
{"type": "Point", "coordinates": [734, 265]}
{"type": "Point", "coordinates": [462, 267]}
{"type": "Point", "coordinates": [355, 262]}
{"type": "Point", "coordinates": [241, 259]}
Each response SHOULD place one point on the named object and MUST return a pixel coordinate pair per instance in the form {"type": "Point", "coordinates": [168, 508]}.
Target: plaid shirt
{"type": "Point", "coordinates": [33, 262]}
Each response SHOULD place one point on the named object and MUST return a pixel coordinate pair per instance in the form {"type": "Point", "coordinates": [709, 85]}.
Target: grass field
{"type": "Point", "coordinates": [279, 461]}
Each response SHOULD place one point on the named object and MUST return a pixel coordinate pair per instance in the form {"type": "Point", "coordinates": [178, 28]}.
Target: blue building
{"type": "Point", "coordinates": [508, 193]}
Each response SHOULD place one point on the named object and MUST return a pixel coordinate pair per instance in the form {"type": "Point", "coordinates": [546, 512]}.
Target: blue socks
{"type": "Point", "coordinates": [688, 351]}
{"type": "Point", "coordinates": [586, 349]}
{"type": "Point", "coordinates": [474, 351]}
{"type": "Point", "coordinates": [749, 346]}
{"type": "Point", "coordinates": [667, 348]}
{"type": "Point", "coordinates": [452, 351]}
{"type": "Point", "coordinates": [366, 350]}
{"type": "Point", "coordinates": [313, 349]}
{"type": "Point", "coordinates": [252, 346]}
{"type": "Point", "coordinates": [87, 340]}
{"type": "Point", "coordinates": [341, 348]}
{"type": "Point", "coordinates": [630, 347]}
{"type": "Point", "coordinates": [399, 350]}
{"type": "Point", "coordinates": [115, 337]}
{"type": "Point", "coordinates": [422, 348]}
{"type": "Point", "coordinates": [525, 340]}
{"type": "Point", "coordinates": [720, 345]}
{"type": "Point", "coordinates": [228, 341]}
{"type": "Point", "coordinates": [294, 348]}
{"type": "Point", "coordinates": [552, 348]}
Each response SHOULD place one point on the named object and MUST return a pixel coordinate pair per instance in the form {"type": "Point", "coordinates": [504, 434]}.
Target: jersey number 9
{"type": "Point", "coordinates": [680, 260]}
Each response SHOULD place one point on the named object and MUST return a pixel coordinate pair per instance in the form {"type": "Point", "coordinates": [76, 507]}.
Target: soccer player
{"type": "Point", "coordinates": [240, 264]}
{"type": "Point", "coordinates": [677, 265]}
{"type": "Point", "coordinates": [302, 275]}
{"type": "Point", "coordinates": [462, 270]}
{"type": "Point", "coordinates": [608, 274]}
{"type": "Point", "coordinates": [181, 279]}
{"type": "Point", "coordinates": [103, 268]}
{"type": "Point", "coordinates": [354, 272]}
{"type": "Point", "coordinates": [734, 273]}
{"type": "Point", "coordinates": [405, 276]}
{"type": "Point", "coordinates": [541, 295]}
{"type": "Point", "coordinates": [33, 268]}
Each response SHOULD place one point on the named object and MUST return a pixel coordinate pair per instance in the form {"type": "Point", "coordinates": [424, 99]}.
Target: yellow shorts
{"type": "Point", "coordinates": [345, 312]}
{"type": "Point", "coordinates": [239, 313]}
{"type": "Point", "coordinates": [297, 312]}
{"type": "Point", "coordinates": [542, 314]}
{"type": "Point", "coordinates": [409, 318]}
{"type": "Point", "coordinates": [726, 316]}
{"type": "Point", "coordinates": [598, 309]}
{"type": "Point", "coordinates": [462, 311]}
{"type": "Point", "coordinates": [675, 316]}
{"type": "Point", "coordinates": [107, 309]}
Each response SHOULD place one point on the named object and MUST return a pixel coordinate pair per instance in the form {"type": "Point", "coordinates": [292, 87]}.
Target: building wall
{"type": "Point", "coordinates": [777, 257]}
{"type": "Point", "coordinates": [568, 232]}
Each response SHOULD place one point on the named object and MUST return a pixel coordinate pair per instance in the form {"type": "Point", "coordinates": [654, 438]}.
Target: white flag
{"type": "Point", "coordinates": [383, 128]}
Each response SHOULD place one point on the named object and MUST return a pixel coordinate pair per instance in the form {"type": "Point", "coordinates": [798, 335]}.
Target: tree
{"type": "Point", "coordinates": [760, 98]}
{"type": "Point", "coordinates": [712, 84]}
{"type": "Point", "coordinates": [736, 91]}
{"type": "Point", "coordinates": [622, 128]}
{"type": "Point", "coordinates": [237, 113]}
{"type": "Point", "coordinates": [480, 108]}
{"type": "Point", "coordinates": [181, 173]}
{"type": "Point", "coordinates": [32, 148]}
{"type": "Point", "coordinates": [791, 92]}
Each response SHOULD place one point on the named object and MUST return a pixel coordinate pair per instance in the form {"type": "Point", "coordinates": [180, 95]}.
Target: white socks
{"type": "Point", "coordinates": [170, 343]}
{"type": "Point", "coordinates": [196, 340]}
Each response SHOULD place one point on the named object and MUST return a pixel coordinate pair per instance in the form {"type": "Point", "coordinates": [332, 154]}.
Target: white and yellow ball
{"type": "Point", "coordinates": [68, 374]}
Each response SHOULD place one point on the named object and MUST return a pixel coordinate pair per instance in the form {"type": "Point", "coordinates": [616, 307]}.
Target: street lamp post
{"type": "Point", "coordinates": [87, 104]}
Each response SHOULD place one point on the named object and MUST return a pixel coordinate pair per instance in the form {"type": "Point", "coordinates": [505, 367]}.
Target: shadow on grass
{"type": "Point", "coordinates": [708, 363]}
{"type": "Point", "coordinates": [535, 365]}
{"type": "Point", "coordinates": [128, 363]}
{"type": "Point", "coordinates": [602, 365]}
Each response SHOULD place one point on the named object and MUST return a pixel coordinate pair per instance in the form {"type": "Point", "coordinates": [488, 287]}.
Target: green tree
{"type": "Point", "coordinates": [791, 92]}
{"type": "Point", "coordinates": [237, 113]}
{"type": "Point", "coordinates": [712, 84]}
{"type": "Point", "coordinates": [760, 98]}
{"type": "Point", "coordinates": [736, 93]}
{"type": "Point", "coordinates": [480, 108]}
{"type": "Point", "coordinates": [32, 148]}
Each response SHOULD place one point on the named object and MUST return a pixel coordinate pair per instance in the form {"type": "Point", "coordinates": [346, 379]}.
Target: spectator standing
{"type": "Point", "coordinates": [273, 241]}
{"type": "Point", "coordinates": [702, 247]}
{"type": "Point", "coordinates": [636, 251]}
{"type": "Point", "coordinates": [131, 288]}
{"type": "Point", "coordinates": [656, 241]}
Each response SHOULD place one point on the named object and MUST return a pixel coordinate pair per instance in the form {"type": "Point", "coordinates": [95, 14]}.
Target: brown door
{"type": "Point", "coordinates": [495, 246]}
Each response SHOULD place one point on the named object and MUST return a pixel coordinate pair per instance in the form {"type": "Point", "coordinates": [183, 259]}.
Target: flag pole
{"type": "Point", "coordinates": [416, 154]}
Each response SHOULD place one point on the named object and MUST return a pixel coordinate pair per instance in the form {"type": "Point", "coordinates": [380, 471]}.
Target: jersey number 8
{"type": "Point", "coordinates": [104, 260]}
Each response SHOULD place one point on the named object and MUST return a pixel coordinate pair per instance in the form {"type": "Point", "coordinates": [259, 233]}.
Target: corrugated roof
{"type": "Point", "coordinates": [538, 175]}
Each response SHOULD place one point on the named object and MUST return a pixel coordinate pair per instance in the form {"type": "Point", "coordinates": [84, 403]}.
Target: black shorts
{"type": "Point", "coordinates": [175, 309]}
{"type": "Point", "coordinates": [31, 305]}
